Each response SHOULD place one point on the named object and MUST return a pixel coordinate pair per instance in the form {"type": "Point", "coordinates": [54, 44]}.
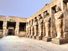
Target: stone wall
{"type": "Point", "coordinates": [16, 21]}
{"type": "Point", "coordinates": [50, 23]}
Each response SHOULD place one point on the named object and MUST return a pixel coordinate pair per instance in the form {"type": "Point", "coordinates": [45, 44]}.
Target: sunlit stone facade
{"type": "Point", "coordinates": [50, 23]}
{"type": "Point", "coordinates": [11, 25]}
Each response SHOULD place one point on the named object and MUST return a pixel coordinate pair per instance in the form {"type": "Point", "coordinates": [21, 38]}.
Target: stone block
{"type": "Point", "coordinates": [59, 40]}
{"type": "Point", "coordinates": [27, 36]}
{"type": "Point", "coordinates": [30, 36]}
{"type": "Point", "coordinates": [47, 39]}
{"type": "Point", "coordinates": [34, 37]}
{"type": "Point", "coordinates": [38, 37]}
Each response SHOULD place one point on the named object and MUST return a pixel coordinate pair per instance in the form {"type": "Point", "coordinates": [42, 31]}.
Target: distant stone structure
{"type": "Point", "coordinates": [11, 25]}
{"type": "Point", "coordinates": [48, 24]}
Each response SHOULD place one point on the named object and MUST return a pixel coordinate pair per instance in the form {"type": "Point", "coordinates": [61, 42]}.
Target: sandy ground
{"type": "Point", "coordinates": [14, 43]}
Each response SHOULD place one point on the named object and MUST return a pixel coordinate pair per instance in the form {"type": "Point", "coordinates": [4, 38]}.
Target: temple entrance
{"type": "Point", "coordinates": [11, 31]}
{"type": "Point", "coordinates": [11, 28]}
{"type": "Point", "coordinates": [22, 27]}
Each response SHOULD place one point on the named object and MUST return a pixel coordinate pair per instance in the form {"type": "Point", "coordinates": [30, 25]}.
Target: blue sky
{"type": "Point", "coordinates": [22, 8]}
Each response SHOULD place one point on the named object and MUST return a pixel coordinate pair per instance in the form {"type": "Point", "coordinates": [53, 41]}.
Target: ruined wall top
{"type": "Point", "coordinates": [12, 18]}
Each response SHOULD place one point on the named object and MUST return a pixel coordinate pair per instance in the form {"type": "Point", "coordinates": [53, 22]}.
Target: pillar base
{"type": "Point", "coordinates": [30, 36]}
{"type": "Point", "coordinates": [59, 40]}
{"type": "Point", "coordinates": [38, 37]}
{"type": "Point", "coordinates": [27, 36]}
{"type": "Point", "coordinates": [34, 37]}
{"type": "Point", "coordinates": [47, 39]}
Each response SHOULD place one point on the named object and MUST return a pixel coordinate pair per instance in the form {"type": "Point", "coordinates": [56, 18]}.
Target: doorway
{"type": "Point", "coordinates": [11, 31]}
{"type": "Point", "coordinates": [11, 28]}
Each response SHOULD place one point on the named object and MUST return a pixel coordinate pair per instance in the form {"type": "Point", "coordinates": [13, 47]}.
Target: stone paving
{"type": "Point", "coordinates": [14, 43]}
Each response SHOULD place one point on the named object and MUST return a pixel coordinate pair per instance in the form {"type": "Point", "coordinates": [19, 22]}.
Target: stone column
{"type": "Point", "coordinates": [47, 29]}
{"type": "Point", "coordinates": [44, 29]}
{"type": "Point", "coordinates": [47, 36]}
{"type": "Point", "coordinates": [39, 32]}
{"type": "Point", "coordinates": [17, 29]}
{"type": "Point", "coordinates": [31, 32]}
{"type": "Point", "coordinates": [35, 32]}
{"type": "Point", "coordinates": [4, 28]}
{"type": "Point", "coordinates": [58, 27]}
{"type": "Point", "coordinates": [28, 32]}
{"type": "Point", "coordinates": [39, 29]}
{"type": "Point", "coordinates": [59, 38]}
